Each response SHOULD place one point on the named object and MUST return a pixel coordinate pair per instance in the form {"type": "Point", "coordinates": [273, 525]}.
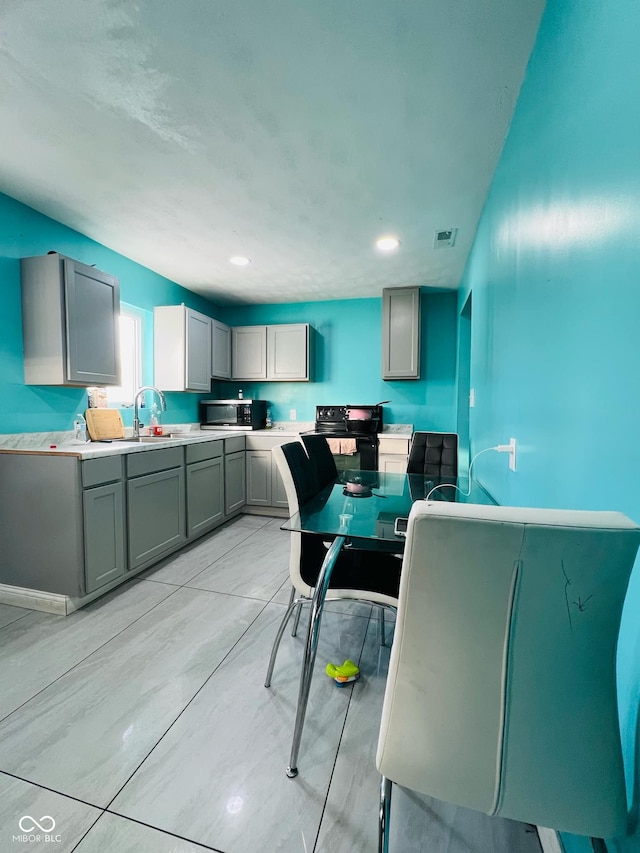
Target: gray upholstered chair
{"type": "Point", "coordinates": [501, 693]}
{"type": "Point", "coordinates": [434, 454]}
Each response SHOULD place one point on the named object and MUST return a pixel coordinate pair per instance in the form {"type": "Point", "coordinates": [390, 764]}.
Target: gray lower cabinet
{"type": "Point", "coordinates": [205, 495]}
{"type": "Point", "coordinates": [234, 482]}
{"type": "Point", "coordinates": [155, 504]}
{"type": "Point", "coordinates": [104, 537]}
{"type": "Point", "coordinates": [264, 483]}
{"type": "Point", "coordinates": [258, 477]}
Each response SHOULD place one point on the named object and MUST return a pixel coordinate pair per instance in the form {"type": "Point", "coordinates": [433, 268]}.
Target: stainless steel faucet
{"type": "Point", "coordinates": [136, 400]}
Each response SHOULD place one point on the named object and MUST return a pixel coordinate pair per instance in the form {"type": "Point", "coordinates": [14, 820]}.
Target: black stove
{"type": "Point", "coordinates": [334, 422]}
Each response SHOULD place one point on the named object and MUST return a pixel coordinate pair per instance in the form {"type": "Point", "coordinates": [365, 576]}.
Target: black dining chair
{"type": "Point", "coordinates": [321, 458]}
{"type": "Point", "coordinates": [434, 454]}
{"type": "Point", "coordinates": [363, 575]}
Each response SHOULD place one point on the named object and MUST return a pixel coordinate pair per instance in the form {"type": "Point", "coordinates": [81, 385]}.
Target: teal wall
{"type": "Point", "coordinates": [555, 277]}
{"type": "Point", "coordinates": [347, 343]}
{"type": "Point", "coordinates": [34, 408]}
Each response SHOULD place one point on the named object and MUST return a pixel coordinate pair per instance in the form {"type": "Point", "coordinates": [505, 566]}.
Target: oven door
{"type": "Point", "coordinates": [365, 457]}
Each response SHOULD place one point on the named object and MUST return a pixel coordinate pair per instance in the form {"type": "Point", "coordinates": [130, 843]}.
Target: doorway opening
{"type": "Point", "coordinates": [464, 384]}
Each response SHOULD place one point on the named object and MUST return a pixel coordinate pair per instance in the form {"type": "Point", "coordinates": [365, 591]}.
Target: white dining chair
{"type": "Point", "coordinates": [501, 693]}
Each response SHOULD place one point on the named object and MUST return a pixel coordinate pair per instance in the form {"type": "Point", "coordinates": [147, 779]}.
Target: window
{"type": "Point", "coordinates": [130, 360]}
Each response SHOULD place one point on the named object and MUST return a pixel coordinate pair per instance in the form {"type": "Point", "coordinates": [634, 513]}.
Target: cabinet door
{"type": "Point", "coordinates": [220, 350]}
{"type": "Point", "coordinates": [249, 352]}
{"type": "Point", "coordinates": [278, 493]}
{"type": "Point", "coordinates": [198, 351]}
{"type": "Point", "coordinates": [401, 333]}
{"type": "Point", "coordinates": [156, 515]}
{"type": "Point", "coordinates": [92, 307]}
{"type": "Point", "coordinates": [205, 496]}
{"type": "Point", "coordinates": [392, 463]}
{"type": "Point", "coordinates": [258, 477]}
{"type": "Point", "coordinates": [104, 552]}
{"type": "Point", "coordinates": [234, 482]}
{"type": "Point", "coordinates": [288, 352]}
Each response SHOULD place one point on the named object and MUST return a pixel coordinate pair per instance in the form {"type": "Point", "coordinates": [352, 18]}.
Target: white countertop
{"type": "Point", "coordinates": [62, 443]}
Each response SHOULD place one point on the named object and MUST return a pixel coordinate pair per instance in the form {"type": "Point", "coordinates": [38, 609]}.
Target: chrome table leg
{"type": "Point", "coordinates": [385, 809]}
{"type": "Point", "coordinates": [311, 647]}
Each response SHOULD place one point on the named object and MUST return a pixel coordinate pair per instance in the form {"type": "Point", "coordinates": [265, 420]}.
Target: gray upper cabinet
{"type": "Point", "coordinates": [220, 350]}
{"type": "Point", "coordinates": [401, 333]}
{"type": "Point", "coordinates": [70, 323]}
{"type": "Point", "coordinates": [277, 353]}
{"type": "Point", "coordinates": [249, 352]}
{"type": "Point", "coordinates": [181, 349]}
{"type": "Point", "coordinates": [288, 352]}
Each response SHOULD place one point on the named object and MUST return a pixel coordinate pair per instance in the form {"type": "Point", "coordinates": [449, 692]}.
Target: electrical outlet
{"type": "Point", "coordinates": [512, 454]}
{"type": "Point", "coordinates": [472, 398]}
{"type": "Point", "coordinates": [292, 414]}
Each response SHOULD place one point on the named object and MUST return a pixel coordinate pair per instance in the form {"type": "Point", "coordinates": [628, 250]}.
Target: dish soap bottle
{"type": "Point", "coordinates": [155, 428]}
{"type": "Point", "coordinates": [269, 422]}
{"type": "Point", "coordinates": [80, 428]}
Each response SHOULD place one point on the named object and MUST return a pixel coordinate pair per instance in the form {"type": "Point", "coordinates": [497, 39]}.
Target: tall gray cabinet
{"type": "Point", "coordinates": [70, 323]}
{"type": "Point", "coordinates": [401, 333]}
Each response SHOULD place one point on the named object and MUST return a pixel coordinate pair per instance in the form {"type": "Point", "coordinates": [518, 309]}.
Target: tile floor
{"type": "Point", "coordinates": [141, 722]}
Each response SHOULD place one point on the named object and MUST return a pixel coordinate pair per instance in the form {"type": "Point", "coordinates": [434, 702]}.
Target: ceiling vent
{"type": "Point", "coordinates": [445, 239]}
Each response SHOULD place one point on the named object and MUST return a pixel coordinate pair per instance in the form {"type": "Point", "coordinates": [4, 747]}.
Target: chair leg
{"type": "Point", "coordinates": [296, 620]}
{"type": "Point", "coordinates": [385, 811]}
{"type": "Point", "coordinates": [276, 643]}
{"type": "Point", "coordinates": [311, 647]}
{"type": "Point", "coordinates": [381, 631]}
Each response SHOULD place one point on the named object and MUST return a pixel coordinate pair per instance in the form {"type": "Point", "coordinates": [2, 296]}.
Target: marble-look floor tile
{"type": "Point", "coordinates": [276, 524]}
{"type": "Point", "coordinates": [21, 803]}
{"type": "Point", "coordinates": [40, 647]}
{"type": "Point", "coordinates": [114, 834]}
{"type": "Point", "coordinates": [9, 614]}
{"type": "Point", "coordinates": [256, 568]}
{"type": "Point", "coordinates": [350, 820]}
{"type": "Point", "coordinates": [255, 521]}
{"type": "Point", "coordinates": [348, 607]}
{"type": "Point", "coordinates": [187, 564]}
{"type": "Point", "coordinates": [218, 776]}
{"type": "Point", "coordinates": [85, 734]}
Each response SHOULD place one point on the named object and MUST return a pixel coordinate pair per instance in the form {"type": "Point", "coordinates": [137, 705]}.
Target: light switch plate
{"type": "Point", "coordinates": [292, 414]}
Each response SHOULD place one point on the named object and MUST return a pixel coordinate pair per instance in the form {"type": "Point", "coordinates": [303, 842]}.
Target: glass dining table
{"type": "Point", "coordinates": [359, 510]}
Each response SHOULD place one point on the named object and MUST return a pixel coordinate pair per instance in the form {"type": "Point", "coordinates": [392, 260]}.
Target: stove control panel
{"type": "Point", "coordinates": [331, 414]}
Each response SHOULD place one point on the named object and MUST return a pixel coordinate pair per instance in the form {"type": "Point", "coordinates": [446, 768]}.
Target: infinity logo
{"type": "Point", "coordinates": [28, 823]}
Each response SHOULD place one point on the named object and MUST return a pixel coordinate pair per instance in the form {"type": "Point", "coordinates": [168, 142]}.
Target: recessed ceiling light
{"type": "Point", "coordinates": [388, 243]}
{"type": "Point", "coordinates": [239, 260]}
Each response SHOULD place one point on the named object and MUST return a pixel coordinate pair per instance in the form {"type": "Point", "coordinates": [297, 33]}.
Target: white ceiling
{"type": "Point", "coordinates": [291, 131]}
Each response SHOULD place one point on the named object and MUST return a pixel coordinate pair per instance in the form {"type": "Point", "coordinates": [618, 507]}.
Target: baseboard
{"type": "Point", "coordinates": [34, 599]}
{"type": "Point", "coordinates": [549, 840]}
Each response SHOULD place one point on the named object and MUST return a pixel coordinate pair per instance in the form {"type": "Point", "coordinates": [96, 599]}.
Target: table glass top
{"type": "Point", "coordinates": [365, 504]}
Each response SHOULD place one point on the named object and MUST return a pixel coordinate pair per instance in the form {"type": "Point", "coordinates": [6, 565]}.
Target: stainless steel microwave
{"type": "Point", "coordinates": [233, 414]}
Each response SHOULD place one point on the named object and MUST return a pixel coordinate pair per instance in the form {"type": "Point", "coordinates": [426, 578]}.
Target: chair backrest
{"type": "Point", "coordinates": [297, 472]}
{"type": "Point", "coordinates": [434, 454]}
{"type": "Point", "coordinates": [321, 458]}
{"type": "Point", "coordinates": [501, 694]}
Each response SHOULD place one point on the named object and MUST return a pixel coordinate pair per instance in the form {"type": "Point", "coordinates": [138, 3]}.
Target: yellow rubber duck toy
{"type": "Point", "coordinates": [343, 675]}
